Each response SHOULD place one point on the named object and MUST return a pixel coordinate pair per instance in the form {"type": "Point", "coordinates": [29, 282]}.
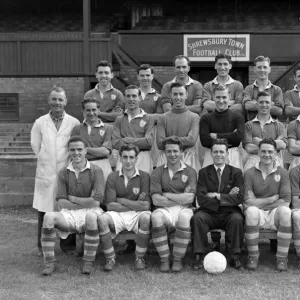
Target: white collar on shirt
{"type": "Point", "coordinates": [89, 127]}
{"type": "Point", "coordinates": [126, 179]}
{"type": "Point", "coordinates": [71, 168]}
{"type": "Point", "coordinates": [140, 115]}
{"type": "Point", "coordinates": [143, 95]}
{"type": "Point", "coordinates": [190, 81]}
{"type": "Point", "coordinates": [229, 80]}
{"type": "Point", "coordinates": [271, 120]}
{"type": "Point", "coordinates": [182, 167]}
{"type": "Point", "coordinates": [270, 84]}
{"type": "Point", "coordinates": [222, 168]}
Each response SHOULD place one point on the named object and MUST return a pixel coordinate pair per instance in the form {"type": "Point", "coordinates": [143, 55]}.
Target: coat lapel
{"type": "Point", "coordinates": [225, 177]}
{"type": "Point", "coordinates": [212, 176]}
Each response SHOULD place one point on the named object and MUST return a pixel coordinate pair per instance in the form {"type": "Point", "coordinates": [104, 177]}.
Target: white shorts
{"type": "Point", "coordinates": [253, 159]}
{"type": "Point", "coordinates": [189, 158]}
{"type": "Point", "coordinates": [144, 162]}
{"type": "Point", "coordinates": [172, 213]}
{"type": "Point", "coordinates": [234, 157]}
{"type": "Point", "coordinates": [76, 220]}
{"type": "Point", "coordinates": [267, 219]}
{"type": "Point", "coordinates": [104, 165]}
{"type": "Point", "coordinates": [127, 220]}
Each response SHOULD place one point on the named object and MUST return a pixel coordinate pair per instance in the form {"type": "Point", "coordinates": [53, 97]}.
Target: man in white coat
{"type": "Point", "coordinates": [49, 137]}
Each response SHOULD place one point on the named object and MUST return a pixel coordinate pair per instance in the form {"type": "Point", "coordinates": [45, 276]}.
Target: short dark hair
{"type": "Point", "coordinates": [176, 85]}
{"type": "Point", "coordinates": [104, 63]}
{"type": "Point", "coordinates": [296, 69]}
{"type": "Point", "coordinates": [262, 58]}
{"type": "Point", "coordinates": [145, 67]}
{"type": "Point", "coordinates": [221, 55]}
{"type": "Point", "coordinates": [77, 138]}
{"type": "Point", "coordinates": [220, 142]}
{"type": "Point", "coordinates": [181, 57]}
{"type": "Point", "coordinates": [58, 89]}
{"type": "Point", "coordinates": [129, 147]}
{"type": "Point", "coordinates": [220, 88]}
{"type": "Point", "coordinates": [88, 100]}
{"type": "Point", "coordinates": [172, 140]}
{"type": "Point", "coordinates": [263, 94]}
{"type": "Point", "coordinates": [267, 141]}
{"type": "Point", "coordinates": [132, 87]}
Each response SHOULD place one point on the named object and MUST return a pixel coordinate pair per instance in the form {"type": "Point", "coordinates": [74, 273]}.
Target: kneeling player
{"type": "Point", "coordinates": [80, 189]}
{"type": "Point", "coordinates": [128, 208]}
{"type": "Point", "coordinates": [267, 200]}
{"type": "Point", "coordinates": [173, 188]}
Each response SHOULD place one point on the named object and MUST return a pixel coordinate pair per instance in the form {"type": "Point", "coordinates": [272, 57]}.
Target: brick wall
{"type": "Point", "coordinates": [34, 92]}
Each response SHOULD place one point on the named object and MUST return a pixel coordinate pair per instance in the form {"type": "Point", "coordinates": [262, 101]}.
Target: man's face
{"type": "Point", "coordinates": [181, 68]}
{"type": "Point", "coordinates": [297, 78]}
{"type": "Point", "coordinates": [57, 101]}
{"type": "Point", "coordinates": [145, 77]}
{"type": "Point", "coordinates": [267, 154]}
{"type": "Point", "coordinates": [77, 152]}
{"type": "Point", "coordinates": [128, 160]}
{"type": "Point", "coordinates": [178, 95]}
{"type": "Point", "coordinates": [219, 154]}
{"type": "Point", "coordinates": [132, 98]}
{"type": "Point", "coordinates": [104, 75]}
{"type": "Point", "coordinates": [90, 112]}
{"type": "Point", "coordinates": [223, 67]}
{"type": "Point", "coordinates": [221, 99]}
{"type": "Point", "coordinates": [262, 69]}
{"type": "Point", "coordinates": [173, 154]}
{"type": "Point", "coordinates": [264, 104]}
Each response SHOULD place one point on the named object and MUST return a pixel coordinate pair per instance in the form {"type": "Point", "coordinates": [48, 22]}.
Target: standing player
{"type": "Point", "coordinates": [110, 99]}
{"type": "Point", "coordinates": [134, 127]}
{"type": "Point", "coordinates": [80, 189]}
{"type": "Point", "coordinates": [96, 135]}
{"type": "Point", "coordinates": [267, 200]}
{"type": "Point", "coordinates": [180, 122]}
{"type": "Point", "coordinates": [173, 188]}
{"type": "Point", "coordinates": [223, 66]}
{"type": "Point", "coordinates": [222, 124]}
{"type": "Point", "coordinates": [293, 134]}
{"type": "Point", "coordinates": [263, 126]}
{"type": "Point", "coordinates": [262, 83]}
{"type": "Point", "coordinates": [194, 88]}
{"type": "Point", "coordinates": [128, 208]}
{"type": "Point", "coordinates": [49, 136]}
{"type": "Point", "coordinates": [220, 190]}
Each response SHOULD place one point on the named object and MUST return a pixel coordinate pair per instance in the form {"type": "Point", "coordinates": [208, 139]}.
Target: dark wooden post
{"type": "Point", "coordinates": [86, 42]}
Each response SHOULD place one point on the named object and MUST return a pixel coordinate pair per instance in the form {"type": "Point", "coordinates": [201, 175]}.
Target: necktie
{"type": "Point", "coordinates": [219, 178]}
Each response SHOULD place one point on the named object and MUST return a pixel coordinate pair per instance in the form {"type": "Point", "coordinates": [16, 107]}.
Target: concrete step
{"type": "Point", "coordinates": [18, 167]}
{"type": "Point", "coordinates": [15, 143]}
{"type": "Point", "coordinates": [14, 138]}
{"type": "Point", "coordinates": [12, 154]}
{"type": "Point", "coordinates": [16, 199]}
{"type": "Point", "coordinates": [16, 125]}
{"type": "Point", "coordinates": [15, 130]}
{"type": "Point", "coordinates": [17, 185]}
{"type": "Point", "coordinates": [21, 149]}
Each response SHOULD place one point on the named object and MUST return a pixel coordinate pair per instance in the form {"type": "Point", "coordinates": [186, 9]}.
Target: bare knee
{"type": "Point", "coordinates": [184, 219]}
{"type": "Point", "coordinates": [103, 221]}
{"type": "Point", "coordinates": [252, 216]}
{"type": "Point", "coordinates": [144, 221]}
{"type": "Point", "coordinates": [296, 220]}
{"type": "Point", "coordinates": [283, 215]}
{"type": "Point", "coordinates": [50, 219]}
{"type": "Point", "coordinates": [91, 220]}
{"type": "Point", "coordinates": [157, 219]}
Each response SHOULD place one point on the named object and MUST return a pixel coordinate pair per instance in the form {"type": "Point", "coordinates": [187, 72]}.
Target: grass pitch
{"type": "Point", "coordinates": [20, 270]}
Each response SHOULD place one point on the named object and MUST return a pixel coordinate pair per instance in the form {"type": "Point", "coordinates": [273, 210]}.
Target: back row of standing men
{"type": "Point", "coordinates": [182, 99]}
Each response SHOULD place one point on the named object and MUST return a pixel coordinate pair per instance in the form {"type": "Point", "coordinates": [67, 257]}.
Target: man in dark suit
{"type": "Point", "coordinates": [220, 190]}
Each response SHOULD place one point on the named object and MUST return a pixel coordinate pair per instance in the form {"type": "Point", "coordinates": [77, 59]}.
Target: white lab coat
{"type": "Point", "coordinates": [50, 147]}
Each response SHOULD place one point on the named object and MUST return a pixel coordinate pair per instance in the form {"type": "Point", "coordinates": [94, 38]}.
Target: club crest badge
{"type": "Point", "coordinates": [143, 123]}
{"type": "Point", "coordinates": [184, 178]}
{"type": "Point", "coordinates": [277, 178]}
{"type": "Point", "coordinates": [113, 97]}
{"type": "Point", "coordinates": [101, 132]}
{"type": "Point", "coordinates": [155, 98]}
{"type": "Point", "coordinates": [136, 190]}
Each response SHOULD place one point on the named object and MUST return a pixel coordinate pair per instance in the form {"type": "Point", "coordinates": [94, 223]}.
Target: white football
{"type": "Point", "coordinates": [215, 263]}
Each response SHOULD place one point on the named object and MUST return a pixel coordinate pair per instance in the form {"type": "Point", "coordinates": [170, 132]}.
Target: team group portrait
{"type": "Point", "coordinates": [150, 150]}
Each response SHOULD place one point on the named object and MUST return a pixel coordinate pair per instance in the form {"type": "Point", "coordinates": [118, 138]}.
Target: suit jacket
{"type": "Point", "coordinates": [208, 183]}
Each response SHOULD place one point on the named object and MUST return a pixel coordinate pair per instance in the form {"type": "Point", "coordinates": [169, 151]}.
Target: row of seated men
{"type": "Point", "coordinates": [131, 194]}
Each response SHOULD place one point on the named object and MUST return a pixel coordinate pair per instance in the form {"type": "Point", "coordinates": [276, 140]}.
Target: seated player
{"type": "Point", "coordinates": [220, 190]}
{"type": "Point", "coordinates": [267, 200]}
{"type": "Point", "coordinates": [96, 135]}
{"type": "Point", "coordinates": [134, 127]}
{"type": "Point", "coordinates": [223, 65]}
{"type": "Point", "coordinates": [80, 189]}
{"type": "Point", "coordinates": [263, 126]}
{"type": "Point", "coordinates": [179, 122]}
{"type": "Point", "coordinates": [173, 188]}
{"type": "Point", "coordinates": [128, 208]}
{"type": "Point", "coordinates": [222, 124]}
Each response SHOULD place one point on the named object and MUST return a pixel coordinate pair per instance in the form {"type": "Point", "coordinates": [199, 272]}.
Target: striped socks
{"type": "Point", "coordinates": [284, 235]}
{"type": "Point", "coordinates": [296, 238]}
{"type": "Point", "coordinates": [252, 239]}
{"type": "Point", "coordinates": [182, 238]}
{"type": "Point", "coordinates": [48, 243]}
{"type": "Point", "coordinates": [160, 240]}
{"type": "Point", "coordinates": [107, 246]}
{"type": "Point", "coordinates": [91, 242]}
{"type": "Point", "coordinates": [142, 241]}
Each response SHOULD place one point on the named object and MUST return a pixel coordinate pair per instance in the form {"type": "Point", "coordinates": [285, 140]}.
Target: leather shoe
{"type": "Point", "coordinates": [139, 264]}
{"type": "Point", "coordinates": [252, 263]}
{"type": "Point", "coordinates": [177, 266]}
{"type": "Point", "coordinates": [236, 262]}
{"type": "Point", "coordinates": [198, 265]}
{"type": "Point", "coordinates": [165, 266]}
{"type": "Point", "coordinates": [109, 265]}
{"type": "Point", "coordinates": [49, 269]}
{"type": "Point", "coordinates": [282, 265]}
{"type": "Point", "coordinates": [87, 267]}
